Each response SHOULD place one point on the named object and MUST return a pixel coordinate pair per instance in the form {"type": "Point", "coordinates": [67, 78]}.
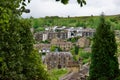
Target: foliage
{"type": "Point", "coordinates": [81, 2]}
{"type": "Point", "coordinates": [86, 56]}
{"type": "Point", "coordinates": [46, 42]}
{"type": "Point", "coordinates": [57, 73]}
{"type": "Point", "coordinates": [118, 45]}
{"type": "Point", "coordinates": [34, 70]}
{"type": "Point", "coordinates": [104, 63]}
{"type": "Point", "coordinates": [76, 48]}
{"type": "Point", "coordinates": [90, 21]}
{"type": "Point", "coordinates": [117, 78]}
{"type": "Point", "coordinates": [75, 57]}
{"type": "Point", "coordinates": [18, 60]}
{"type": "Point", "coordinates": [73, 40]}
{"type": "Point", "coordinates": [54, 48]}
{"type": "Point", "coordinates": [34, 66]}
{"type": "Point", "coordinates": [80, 53]}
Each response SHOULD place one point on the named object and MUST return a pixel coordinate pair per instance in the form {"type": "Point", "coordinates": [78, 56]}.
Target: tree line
{"type": "Point", "coordinates": [39, 24]}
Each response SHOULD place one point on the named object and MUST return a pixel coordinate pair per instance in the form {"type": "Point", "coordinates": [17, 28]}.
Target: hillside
{"type": "Point", "coordinates": [85, 21]}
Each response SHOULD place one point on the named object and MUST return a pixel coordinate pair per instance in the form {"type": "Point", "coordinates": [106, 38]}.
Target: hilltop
{"type": "Point", "coordinates": [83, 21]}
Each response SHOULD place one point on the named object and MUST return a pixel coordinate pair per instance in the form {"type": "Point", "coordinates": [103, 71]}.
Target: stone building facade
{"type": "Point", "coordinates": [64, 45]}
{"type": "Point", "coordinates": [80, 32]}
{"type": "Point", "coordinates": [83, 42]}
{"type": "Point", "coordinates": [38, 36]}
{"type": "Point", "coordinates": [57, 59]}
{"type": "Point", "coordinates": [42, 47]}
{"type": "Point", "coordinates": [65, 33]}
{"type": "Point", "coordinates": [42, 36]}
{"type": "Point", "coordinates": [88, 32]}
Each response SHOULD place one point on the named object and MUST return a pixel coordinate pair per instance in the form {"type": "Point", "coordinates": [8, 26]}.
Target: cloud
{"type": "Point", "coordinates": [42, 8]}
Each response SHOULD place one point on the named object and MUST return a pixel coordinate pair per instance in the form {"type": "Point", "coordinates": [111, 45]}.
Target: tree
{"type": "Point", "coordinates": [76, 49]}
{"type": "Point", "coordinates": [18, 60]}
{"type": "Point", "coordinates": [104, 63]}
{"type": "Point", "coordinates": [54, 48]}
{"type": "Point", "coordinates": [81, 2]}
{"type": "Point", "coordinates": [34, 69]}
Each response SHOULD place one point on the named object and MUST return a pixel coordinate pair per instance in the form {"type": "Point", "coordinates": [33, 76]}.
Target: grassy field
{"type": "Point", "coordinates": [56, 73]}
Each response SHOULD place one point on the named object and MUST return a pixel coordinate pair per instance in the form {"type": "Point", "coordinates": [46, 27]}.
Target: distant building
{"type": "Point", "coordinates": [83, 42]}
{"type": "Point", "coordinates": [74, 66]}
{"type": "Point", "coordinates": [42, 36]}
{"type": "Point", "coordinates": [42, 47]}
{"type": "Point", "coordinates": [57, 59]}
{"type": "Point", "coordinates": [38, 36]}
{"type": "Point", "coordinates": [80, 32]}
{"type": "Point", "coordinates": [64, 45]}
{"type": "Point", "coordinates": [62, 34]}
{"type": "Point", "coordinates": [52, 35]}
{"type": "Point", "coordinates": [88, 32]}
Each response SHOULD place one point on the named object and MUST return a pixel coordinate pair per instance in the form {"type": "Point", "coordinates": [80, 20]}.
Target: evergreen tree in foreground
{"type": "Point", "coordinates": [104, 63]}
{"type": "Point", "coordinates": [18, 60]}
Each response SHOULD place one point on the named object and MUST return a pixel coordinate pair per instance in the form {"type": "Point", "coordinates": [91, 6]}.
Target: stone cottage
{"type": "Point", "coordinates": [83, 42]}
{"type": "Point", "coordinates": [57, 59]}
{"type": "Point", "coordinates": [64, 45]}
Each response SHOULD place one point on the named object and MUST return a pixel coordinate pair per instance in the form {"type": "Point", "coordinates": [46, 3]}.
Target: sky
{"type": "Point", "coordinates": [42, 8]}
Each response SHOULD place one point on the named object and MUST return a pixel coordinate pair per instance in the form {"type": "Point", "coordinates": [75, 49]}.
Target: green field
{"type": "Point", "coordinates": [57, 73]}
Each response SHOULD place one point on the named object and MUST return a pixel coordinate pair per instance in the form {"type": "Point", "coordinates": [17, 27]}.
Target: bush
{"type": "Point", "coordinates": [85, 55]}
{"type": "Point", "coordinates": [56, 73]}
{"type": "Point", "coordinates": [86, 60]}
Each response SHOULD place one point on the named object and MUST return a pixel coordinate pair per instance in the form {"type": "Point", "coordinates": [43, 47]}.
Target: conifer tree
{"type": "Point", "coordinates": [104, 63]}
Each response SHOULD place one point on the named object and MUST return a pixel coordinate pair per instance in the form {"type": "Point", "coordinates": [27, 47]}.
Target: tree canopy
{"type": "Point", "coordinates": [18, 59]}
{"type": "Point", "coordinates": [104, 62]}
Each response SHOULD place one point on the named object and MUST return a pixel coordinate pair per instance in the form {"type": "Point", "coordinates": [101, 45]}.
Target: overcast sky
{"type": "Point", "coordinates": [42, 8]}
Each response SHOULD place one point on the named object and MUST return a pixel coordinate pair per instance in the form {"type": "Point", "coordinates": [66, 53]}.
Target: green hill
{"type": "Point", "coordinates": [85, 21]}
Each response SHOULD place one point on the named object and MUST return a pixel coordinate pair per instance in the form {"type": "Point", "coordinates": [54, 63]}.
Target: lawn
{"type": "Point", "coordinates": [57, 73]}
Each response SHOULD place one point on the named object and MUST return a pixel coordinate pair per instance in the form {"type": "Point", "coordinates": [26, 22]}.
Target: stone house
{"type": "Point", "coordinates": [88, 32]}
{"type": "Point", "coordinates": [64, 45]}
{"type": "Point", "coordinates": [73, 66]}
{"type": "Point", "coordinates": [42, 36]}
{"type": "Point", "coordinates": [52, 35]}
{"type": "Point", "coordinates": [62, 34]}
{"type": "Point", "coordinates": [57, 59]}
{"type": "Point", "coordinates": [83, 42]}
{"type": "Point", "coordinates": [42, 47]}
{"type": "Point", "coordinates": [38, 36]}
{"type": "Point", "coordinates": [80, 32]}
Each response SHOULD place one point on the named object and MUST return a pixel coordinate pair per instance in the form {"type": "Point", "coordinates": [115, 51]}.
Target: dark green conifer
{"type": "Point", "coordinates": [104, 63]}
